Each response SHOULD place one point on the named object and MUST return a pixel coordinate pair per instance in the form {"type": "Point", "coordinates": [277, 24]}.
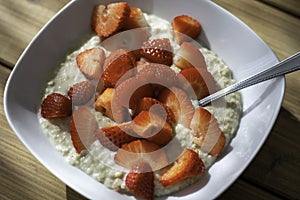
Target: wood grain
{"type": "Point", "coordinates": [290, 6]}
{"type": "Point", "coordinates": [20, 21]}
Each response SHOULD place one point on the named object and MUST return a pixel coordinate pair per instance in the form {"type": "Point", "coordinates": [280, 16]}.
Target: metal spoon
{"type": "Point", "coordinates": [286, 66]}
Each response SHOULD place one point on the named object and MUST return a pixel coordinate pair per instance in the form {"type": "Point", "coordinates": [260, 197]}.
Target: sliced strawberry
{"type": "Point", "coordinates": [153, 127]}
{"type": "Point", "coordinates": [130, 91]}
{"type": "Point", "coordinates": [56, 105]}
{"type": "Point", "coordinates": [140, 180]}
{"type": "Point", "coordinates": [141, 151]}
{"type": "Point", "coordinates": [147, 103]}
{"type": "Point", "coordinates": [103, 102]}
{"type": "Point", "coordinates": [82, 128]}
{"type": "Point", "coordinates": [136, 19]}
{"type": "Point", "coordinates": [108, 21]}
{"type": "Point", "coordinates": [80, 93]}
{"type": "Point", "coordinates": [113, 137]}
{"type": "Point", "coordinates": [184, 26]}
{"type": "Point", "coordinates": [115, 67]}
{"type": "Point", "coordinates": [90, 62]}
{"type": "Point", "coordinates": [180, 104]}
{"type": "Point", "coordinates": [207, 133]}
{"type": "Point", "coordinates": [199, 79]}
{"type": "Point", "coordinates": [189, 55]}
{"type": "Point", "coordinates": [187, 165]}
{"type": "Point", "coordinates": [159, 75]}
{"type": "Point", "coordinates": [158, 51]}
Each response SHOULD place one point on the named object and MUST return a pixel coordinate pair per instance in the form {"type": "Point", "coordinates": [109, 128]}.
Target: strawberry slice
{"type": "Point", "coordinates": [187, 165]}
{"type": "Point", "coordinates": [188, 55]}
{"type": "Point", "coordinates": [201, 81]}
{"type": "Point", "coordinates": [147, 103]}
{"type": "Point", "coordinates": [185, 28]}
{"type": "Point", "coordinates": [90, 62]}
{"type": "Point", "coordinates": [158, 51]}
{"type": "Point", "coordinates": [105, 103]}
{"type": "Point", "coordinates": [158, 75]}
{"type": "Point", "coordinates": [130, 91]}
{"type": "Point", "coordinates": [56, 105]}
{"type": "Point", "coordinates": [113, 137]}
{"type": "Point", "coordinates": [180, 104]}
{"type": "Point", "coordinates": [80, 93]}
{"type": "Point", "coordinates": [153, 127]}
{"type": "Point", "coordinates": [140, 180]}
{"type": "Point", "coordinates": [82, 128]}
{"type": "Point", "coordinates": [141, 151]}
{"type": "Point", "coordinates": [108, 21]}
{"type": "Point", "coordinates": [115, 67]}
{"type": "Point", "coordinates": [136, 19]}
{"type": "Point", "coordinates": [207, 133]}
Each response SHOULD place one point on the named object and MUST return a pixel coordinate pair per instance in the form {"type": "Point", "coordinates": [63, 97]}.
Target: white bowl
{"type": "Point", "coordinates": [226, 35]}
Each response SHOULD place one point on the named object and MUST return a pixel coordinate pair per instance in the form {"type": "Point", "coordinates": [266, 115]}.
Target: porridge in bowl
{"type": "Point", "coordinates": [123, 107]}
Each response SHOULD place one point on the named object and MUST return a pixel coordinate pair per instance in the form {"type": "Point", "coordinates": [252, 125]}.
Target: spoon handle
{"type": "Point", "coordinates": [286, 66]}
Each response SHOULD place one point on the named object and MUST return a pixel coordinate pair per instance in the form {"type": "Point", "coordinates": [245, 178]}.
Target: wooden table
{"type": "Point", "coordinates": [273, 174]}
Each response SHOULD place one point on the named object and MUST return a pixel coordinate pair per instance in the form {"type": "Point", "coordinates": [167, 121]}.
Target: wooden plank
{"type": "Point", "coordinates": [290, 6]}
{"type": "Point", "coordinates": [243, 190]}
{"type": "Point", "coordinates": [277, 165]}
{"type": "Point", "coordinates": [19, 23]}
{"type": "Point", "coordinates": [21, 175]}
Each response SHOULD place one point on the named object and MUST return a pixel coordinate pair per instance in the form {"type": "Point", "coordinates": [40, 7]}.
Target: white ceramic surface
{"type": "Point", "coordinates": [232, 40]}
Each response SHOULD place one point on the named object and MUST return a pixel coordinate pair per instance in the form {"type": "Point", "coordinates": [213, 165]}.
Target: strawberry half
{"type": "Point", "coordinates": [140, 180]}
{"type": "Point", "coordinates": [136, 19]}
{"type": "Point", "coordinates": [158, 75]}
{"type": "Point", "coordinates": [80, 93]}
{"type": "Point", "coordinates": [56, 105]}
{"type": "Point", "coordinates": [90, 62]}
{"type": "Point", "coordinates": [197, 82]}
{"type": "Point", "coordinates": [141, 151]}
{"type": "Point", "coordinates": [188, 55]}
{"type": "Point", "coordinates": [185, 28]}
{"type": "Point", "coordinates": [180, 104]}
{"type": "Point", "coordinates": [129, 92]}
{"type": "Point", "coordinates": [115, 67]}
{"type": "Point", "coordinates": [147, 103]}
{"type": "Point", "coordinates": [158, 51]}
{"type": "Point", "coordinates": [82, 128]}
{"type": "Point", "coordinates": [187, 165]}
{"type": "Point", "coordinates": [113, 137]}
{"type": "Point", "coordinates": [108, 21]}
{"type": "Point", "coordinates": [207, 133]}
{"type": "Point", "coordinates": [153, 128]}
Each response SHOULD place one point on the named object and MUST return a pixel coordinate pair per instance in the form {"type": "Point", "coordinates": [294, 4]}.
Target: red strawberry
{"type": "Point", "coordinates": [141, 150]}
{"type": "Point", "coordinates": [130, 91]}
{"type": "Point", "coordinates": [147, 103]}
{"type": "Point", "coordinates": [115, 67]}
{"type": "Point", "coordinates": [189, 55]}
{"type": "Point", "coordinates": [90, 62]}
{"type": "Point", "coordinates": [207, 133]}
{"type": "Point", "coordinates": [153, 128]}
{"type": "Point", "coordinates": [180, 104]}
{"type": "Point", "coordinates": [158, 51]}
{"type": "Point", "coordinates": [157, 74]}
{"type": "Point", "coordinates": [187, 165]}
{"type": "Point", "coordinates": [108, 21]}
{"type": "Point", "coordinates": [113, 137]}
{"type": "Point", "coordinates": [199, 79]}
{"type": "Point", "coordinates": [136, 19]}
{"type": "Point", "coordinates": [82, 128]}
{"type": "Point", "coordinates": [80, 93]}
{"type": "Point", "coordinates": [186, 28]}
{"type": "Point", "coordinates": [56, 105]}
{"type": "Point", "coordinates": [140, 180]}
